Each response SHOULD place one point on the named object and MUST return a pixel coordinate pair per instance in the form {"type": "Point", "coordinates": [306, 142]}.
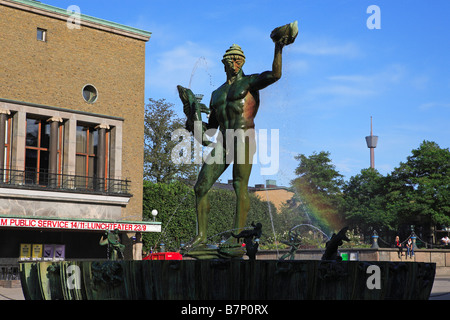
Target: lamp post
{"type": "Point", "coordinates": [154, 214]}
{"type": "Point", "coordinates": [413, 237]}
{"type": "Point", "coordinates": [375, 240]}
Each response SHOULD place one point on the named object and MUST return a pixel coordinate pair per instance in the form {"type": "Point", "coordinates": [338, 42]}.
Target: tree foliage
{"type": "Point", "coordinates": [364, 204]}
{"type": "Point", "coordinates": [420, 187]}
{"type": "Point", "coordinates": [318, 190]}
{"type": "Point", "coordinates": [160, 122]}
{"type": "Point", "coordinates": [415, 193]}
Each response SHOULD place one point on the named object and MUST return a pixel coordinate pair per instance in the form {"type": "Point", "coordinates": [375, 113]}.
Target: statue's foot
{"type": "Point", "coordinates": [231, 248]}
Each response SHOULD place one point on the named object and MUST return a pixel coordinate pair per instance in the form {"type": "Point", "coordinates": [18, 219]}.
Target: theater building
{"type": "Point", "coordinates": [71, 133]}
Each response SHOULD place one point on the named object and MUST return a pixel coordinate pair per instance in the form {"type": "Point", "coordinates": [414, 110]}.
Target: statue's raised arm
{"type": "Point", "coordinates": [281, 36]}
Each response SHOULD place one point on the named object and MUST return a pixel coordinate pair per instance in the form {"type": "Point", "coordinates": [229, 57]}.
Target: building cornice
{"type": "Point", "coordinates": [85, 20]}
{"type": "Point", "coordinates": [44, 195]}
{"type": "Point", "coordinates": [5, 104]}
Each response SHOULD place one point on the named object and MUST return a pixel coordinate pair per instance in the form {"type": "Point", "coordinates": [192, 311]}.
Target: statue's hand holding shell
{"type": "Point", "coordinates": [285, 34]}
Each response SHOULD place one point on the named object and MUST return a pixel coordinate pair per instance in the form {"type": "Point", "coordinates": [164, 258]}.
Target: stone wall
{"type": "Point", "coordinates": [439, 256]}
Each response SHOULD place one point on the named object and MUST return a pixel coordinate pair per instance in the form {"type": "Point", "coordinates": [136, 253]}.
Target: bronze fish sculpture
{"type": "Point", "coordinates": [192, 108]}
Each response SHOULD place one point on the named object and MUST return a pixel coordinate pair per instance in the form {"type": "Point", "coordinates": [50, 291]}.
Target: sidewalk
{"type": "Point", "coordinates": [11, 293]}
{"type": "Point", "coordinates": [440, 291]}
{"type": "Point", "coordinates": [441, 288]}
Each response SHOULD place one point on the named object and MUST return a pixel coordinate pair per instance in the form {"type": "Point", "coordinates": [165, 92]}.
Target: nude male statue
{"type": "Point", "coordinates": [234, 106]}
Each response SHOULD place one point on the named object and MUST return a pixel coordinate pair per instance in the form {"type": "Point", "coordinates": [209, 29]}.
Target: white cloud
{"type": "Point", "coordinates": [360, 85]}
{"type": "Point", "coordinates": [341, 90]}
{"type": "Point", "coordinates": [433, 105]}
{"type": "Point", "coordinates": [189, 62]}
{"type": "Point", "coordinates": [327, 47]}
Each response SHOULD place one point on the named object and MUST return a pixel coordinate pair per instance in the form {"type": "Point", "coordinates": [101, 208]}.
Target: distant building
{"type": "Point", "coordinates": [278, 195]}
{"type": "Point", "coordinates": [71, 131]}
{"type": "Point", "coordinates": [266, 192]}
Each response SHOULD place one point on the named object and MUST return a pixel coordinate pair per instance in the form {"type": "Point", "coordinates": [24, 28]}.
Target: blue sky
{"type": "Point", "coordinates": [336, 75]}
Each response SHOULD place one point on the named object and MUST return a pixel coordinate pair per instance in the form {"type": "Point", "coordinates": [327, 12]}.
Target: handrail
{"type": "Point", "coordinates": [52, 181]}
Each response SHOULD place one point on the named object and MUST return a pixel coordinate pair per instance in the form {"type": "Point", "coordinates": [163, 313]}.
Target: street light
{"type": "Point", "coordinates": [154, 214]}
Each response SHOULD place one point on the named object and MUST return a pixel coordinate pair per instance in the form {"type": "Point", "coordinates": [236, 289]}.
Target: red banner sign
{"type": "Point", "coordinates": [79, 225]}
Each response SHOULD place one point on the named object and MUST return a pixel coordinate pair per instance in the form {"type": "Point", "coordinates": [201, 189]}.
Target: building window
{"type": "Point", "coordinates": [41, 34]}
{"type": "Point", "coordinates": [37, 151]}
{"type": "Point", "coordinates": [5, 152]}
{"type": "Point", "coordinates": [90, 93]}
{"type": "Point", "coordinates": [8, 135]}
{"type": "Point", "coordinates": [43, 162]}
{"type": "Point", "coordinates": [92, 153]}
{"type": "Point", "coordinates": [86, 154]}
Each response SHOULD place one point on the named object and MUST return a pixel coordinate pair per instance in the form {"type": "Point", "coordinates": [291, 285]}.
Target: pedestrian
{"type": "Point", "coordinates": [409, 248]}
{"type": "Point", "coordinates": [399, 246]}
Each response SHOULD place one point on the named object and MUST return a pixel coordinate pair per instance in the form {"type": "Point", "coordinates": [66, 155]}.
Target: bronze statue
{"type": "Point", "coordinates": [332, 246]}
{"type": "Point", "coordinates": [294, 242]}
{"type": "Point", "coordinates": [115, 248]}
{"type": "Point", "coordinates": [256, 232]}
{"type": "Point", "coordinates": [248, 235]}
{"type": "Point", "coordinates": [233, 106]}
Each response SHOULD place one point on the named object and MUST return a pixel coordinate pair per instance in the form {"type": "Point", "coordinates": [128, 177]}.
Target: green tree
{"type": "Point", "coordinates": [291, 215]}
{"type": "Point", "coordinates": [160, 122]}
{"type": "Point", "coordinates": [364, 204]}
{"type": "Point", "coordinates": [419, 188]}
{"type": "Point", "coordinates": [175, 203]}
{"type": "Point", "coordinates": [318, 187]}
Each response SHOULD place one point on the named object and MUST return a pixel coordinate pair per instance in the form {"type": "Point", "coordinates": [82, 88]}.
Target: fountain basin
{"type": "Point", "coordinates": [225, 280]}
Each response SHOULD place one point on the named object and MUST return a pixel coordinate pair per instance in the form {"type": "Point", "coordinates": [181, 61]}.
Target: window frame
{"type": "Point", "coordinates": [8, 147]}
{"type": "Point", "coordinates": [89, 156]}
{"type": "Point", "coordinates": [92, 90]}
{"type": "Point", "coordinates": [43, 32]}
{"type": "Point", "coordinates": [37, 148]}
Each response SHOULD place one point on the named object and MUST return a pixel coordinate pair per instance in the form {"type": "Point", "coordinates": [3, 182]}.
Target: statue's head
{"type": "Point", "coordinates": [233, 59]}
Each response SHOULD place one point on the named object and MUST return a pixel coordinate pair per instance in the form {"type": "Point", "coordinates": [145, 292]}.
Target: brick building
{"type": "Point", "coordinates": [71, 130]}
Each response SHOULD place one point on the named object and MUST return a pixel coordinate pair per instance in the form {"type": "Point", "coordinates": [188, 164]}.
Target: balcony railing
{"type": "Point", "coordinates": [63, 182]}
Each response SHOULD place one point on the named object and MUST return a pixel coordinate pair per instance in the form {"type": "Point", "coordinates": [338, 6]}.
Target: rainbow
{"type": "Point", "coordinates": [319, 210]}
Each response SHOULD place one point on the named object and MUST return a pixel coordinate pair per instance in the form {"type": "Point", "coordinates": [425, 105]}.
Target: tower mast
{"type": "Point", "coordinates": [372, 144]}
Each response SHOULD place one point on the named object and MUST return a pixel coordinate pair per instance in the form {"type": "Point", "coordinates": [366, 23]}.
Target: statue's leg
{"type": "Point", "coordinates": [241, 175]}
{"type": "Point", "coordinates": [208, 175]}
